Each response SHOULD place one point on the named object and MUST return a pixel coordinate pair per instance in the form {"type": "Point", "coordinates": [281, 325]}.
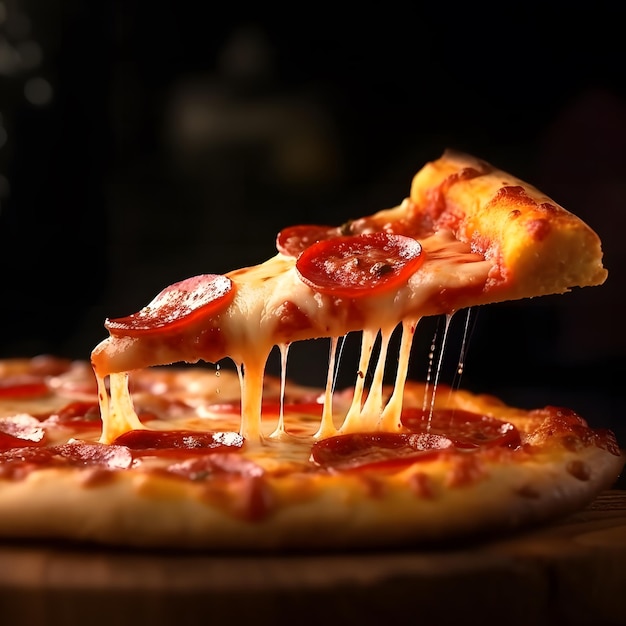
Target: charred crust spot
{"type": "Point", "coordinates": [579, 469]}
{"type": "Point", "coordinates": [421, 484]}
{"type": "Point", "coordinates": [528, 491]}
{"type": "Point", "coordinates": [538, 228]}
{"type": "Point", "coordinates": [380, 269]}
{"type": "Point", "coordinates": [467, 173]}
{"type": "Point", "coordinates": [514, 214]}
{"type": "Point", "coordinates": [606, 440]}
{"type": "Point", "coordinates": [375, 488]}
{"type": "Point", "coordinates": [346, 228]}
{"type": "Point", "coordinates": [548, 208]}
{"type": "Point", "coordinates": [465, 470]}
{"type": "Point", "coordinates": [513, 194]}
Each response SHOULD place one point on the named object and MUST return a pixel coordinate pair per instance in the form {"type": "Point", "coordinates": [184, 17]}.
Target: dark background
{"type": "Point", "coordinates": [142, 143]}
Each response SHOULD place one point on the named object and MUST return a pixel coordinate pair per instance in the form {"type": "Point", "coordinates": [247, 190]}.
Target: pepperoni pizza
{"type": "Point", "coordinates": [133, 449]}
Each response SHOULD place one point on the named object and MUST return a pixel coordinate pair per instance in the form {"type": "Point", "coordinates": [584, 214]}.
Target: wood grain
{"type": "Point", "coordinates": [571, 572]}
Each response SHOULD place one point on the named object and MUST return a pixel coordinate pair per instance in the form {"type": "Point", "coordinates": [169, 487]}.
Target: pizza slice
{"type": "Point", "coordinates": [468, 234]}
{"type": "Point", "coordinates": [195, 457]}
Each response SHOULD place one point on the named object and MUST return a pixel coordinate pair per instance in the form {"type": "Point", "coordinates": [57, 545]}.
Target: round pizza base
{"type": "Point", "coordinates": [341, 511]}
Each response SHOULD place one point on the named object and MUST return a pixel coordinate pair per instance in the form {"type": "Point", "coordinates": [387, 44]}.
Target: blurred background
{"type": "Point", "coordinates": [144, 142]}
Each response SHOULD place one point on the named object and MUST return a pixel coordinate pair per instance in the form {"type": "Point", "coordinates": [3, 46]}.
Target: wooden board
{"type": "Point", "coordinates": [571, 572]}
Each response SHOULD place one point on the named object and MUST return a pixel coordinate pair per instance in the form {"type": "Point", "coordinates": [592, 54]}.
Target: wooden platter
{"type": "Point", "coordinates": [571, 572]}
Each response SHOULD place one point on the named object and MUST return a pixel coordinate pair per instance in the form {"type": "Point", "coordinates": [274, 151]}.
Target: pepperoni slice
{"type": "Point", "coordinates": [23, 387]}
{"type": "Point", "coordinates": [175, 442]}
{"type": "Point", "coordinates": [429, 437]}
{"type": "Point", "coordinates": [293, 240]}
{"type": "Point", "coordinates": [176, 306]}
{"type": "Point", "coordinates": [225, 464]}
{"type": "Point", "coordinates": [356, 266]}
{"type": "Point", "coordinates": [17, 463]}
{"type": "Point", "coordinates": [19, 431]}
{"type": "Point", "coordinates": [380, 450]}
{"type": "Point", "coordinates": [463, 428]}
{"type": "Point", "coordinates": [78, 414]}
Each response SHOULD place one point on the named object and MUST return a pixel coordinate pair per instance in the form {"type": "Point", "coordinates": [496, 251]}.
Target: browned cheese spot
{"type": "Point", "coordinates": [579, 469]}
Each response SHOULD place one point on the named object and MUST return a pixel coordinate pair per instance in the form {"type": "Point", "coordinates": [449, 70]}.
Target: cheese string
{"type": "Point", "coordinates": [373, 406]}
{"type": "Point", "coordinates": [280, 426]}
{"type": "Point", "coordinates": [327, 426]}
{"type": "Point", "coordinates": [431, 405]}
{"type": "Point", "coordinates": [390, 417]}
{"type": "Point", "coordinates": [352, 422]}
{"type": "Point", "coordinates": [251, 376]}
{"type": "Point", "coordinates": [118, 412]}
{"type": "Point", "coordinates": [460, 368]}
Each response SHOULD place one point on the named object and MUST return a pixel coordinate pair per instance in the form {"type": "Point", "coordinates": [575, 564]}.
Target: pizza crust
{"type": "Point", "coordinates": [329, 512]}
{"type": "Point", "coordinates": [430, 502]}
{"type": "Point", "coordinates": [540, 248]}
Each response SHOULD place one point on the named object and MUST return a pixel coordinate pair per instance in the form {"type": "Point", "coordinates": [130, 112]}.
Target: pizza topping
{"type": "Point", "coordinates": [111, 457]}
{"type": "Point", "coordinates": [176, 306]}
{"type": "Point", "coordinates": [465, 429]}
{"type": "Point", "coordinates": [430, 433]}
{"type": "Point", "coordinates": [78, 414]}
{"type": "Point", "coordinates": [20, 430]}
{"type": "Point", "coordinates": [293, 240]}
{"type": "Point", "coordinates": [225, 464]}
{"type": "Point", "coordinates": [17, 463]}
{"type": "Point", "coordinates": [173, 442]}
{"type": "Point", "coordinates": [355, 266]}
{"type": "Point", "coordinates": [380, 450]}
{"type": "Point", "coordinates": [24, 386]}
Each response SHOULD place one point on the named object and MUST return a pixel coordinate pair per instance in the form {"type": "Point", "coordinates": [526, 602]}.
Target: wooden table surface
{"type": "Point", "coordinates": [570, 572]}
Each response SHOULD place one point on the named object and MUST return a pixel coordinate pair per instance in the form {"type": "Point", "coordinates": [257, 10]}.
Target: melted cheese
{"type": "Point", "coordinates": [258, 319]}
{"type": "Point", "coordinates": [117, 410]}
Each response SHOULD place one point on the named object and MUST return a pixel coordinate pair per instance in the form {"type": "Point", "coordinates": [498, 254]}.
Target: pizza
{"type": "Point", "coordinates": [173, 435]}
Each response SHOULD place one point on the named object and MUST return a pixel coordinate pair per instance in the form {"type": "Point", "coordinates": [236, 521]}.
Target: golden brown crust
{"type": "Point", "coordinates": [538, 246]}
{"type": "Point", "coordinates": [337, 511]}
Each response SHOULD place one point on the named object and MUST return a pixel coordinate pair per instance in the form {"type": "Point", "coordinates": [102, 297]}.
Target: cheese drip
{"type": "Point", "coordinates": [280, 427]}
{"type": "Point", "coordinates": [372, 413]}
{"type": "Point", "coordinates": [254, 323]}
{"type": "Point", "coordinates": [327, 426]}
{"type": "Point", "coordinates": [368, 410]}
{"type": "Point", "coordinates": [117, 410]}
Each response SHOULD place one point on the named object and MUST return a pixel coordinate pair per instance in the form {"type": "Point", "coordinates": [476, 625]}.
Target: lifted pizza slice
{"type": "Point", "coordinates": [468, 234]}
